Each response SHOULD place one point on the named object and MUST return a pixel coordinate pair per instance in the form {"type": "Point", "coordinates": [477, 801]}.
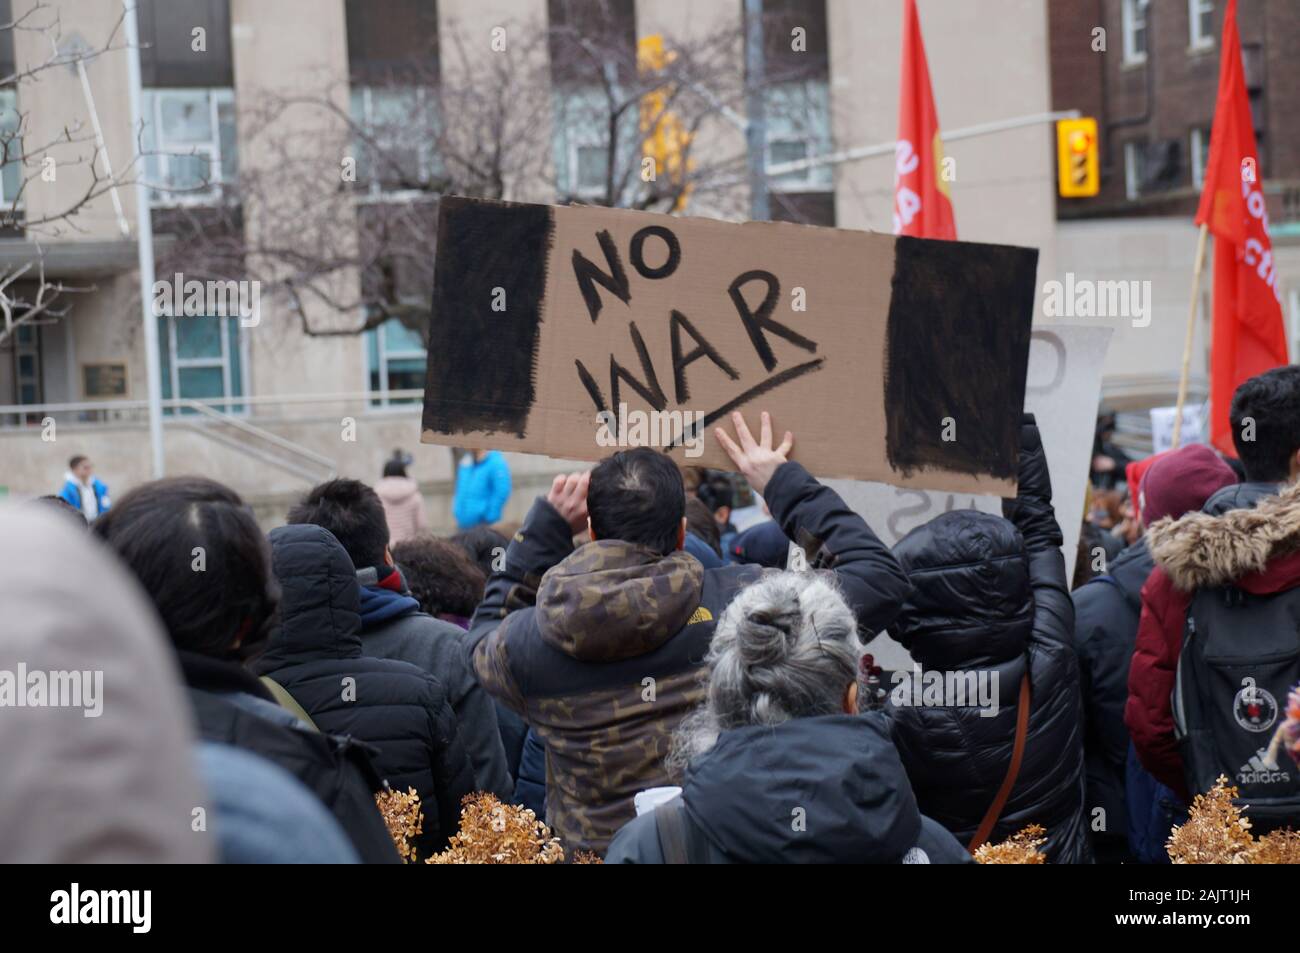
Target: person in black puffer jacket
{"type": "Point", "coordinates": [205, 564]}
{"type": "Point", "coordinates": [990, 598]}
{"type": "Point", "coordinates": [315, 654]}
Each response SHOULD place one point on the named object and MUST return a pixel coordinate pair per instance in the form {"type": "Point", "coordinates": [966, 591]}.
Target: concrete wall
{"type": "Point", "coordinates": [55, 108]}
{"type": "Point", "coordinates": [288, 48]}
{"type": "Point", "coordinates": [33, 466]}
{"type": "Point", "coordinates": [987, 63]}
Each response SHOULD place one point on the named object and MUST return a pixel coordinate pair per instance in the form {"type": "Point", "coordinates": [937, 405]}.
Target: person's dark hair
{"type": "Point", "coordinates": [482, 544]}
{"type": "Point", "coordinates": [394, 468]}
{"type": "Point", "coordinates": [162, 530]}
{"type": "Point", "coordinates": [63, 506]}
{"type": "Point", "coordinates": [353, 513]}
{"type": "Point", "coordinates": [1272, 401]}
{"type": "Point", "coordinates": [637, 496]}
{"type": "Point", "coordinates": [441, 575]}
{"type": "Point", "coordinates": [76, 461]}
{"type": "Point", "coordinates": [715, 490]}
{"type": "Point", "coordinates": [700, 521]}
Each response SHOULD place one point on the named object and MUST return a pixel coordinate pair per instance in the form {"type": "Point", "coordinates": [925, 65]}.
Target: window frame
{"type": "Point", "coordinates": [164, 151]}
{"type": "Point", "coordinates": [231, 400]}
{"type": "Point", "coordinates": [1199, 141]}
{"type": "Point", "coordinates": [383, 354]}
{"type": "Point", "coordinates": [1196, 40]}
{"type": "Point", "coordinates": [1129, 27]}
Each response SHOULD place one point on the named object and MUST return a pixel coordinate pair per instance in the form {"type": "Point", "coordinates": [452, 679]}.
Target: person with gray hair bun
{"type": "Point", "coordinates": [778, 765]}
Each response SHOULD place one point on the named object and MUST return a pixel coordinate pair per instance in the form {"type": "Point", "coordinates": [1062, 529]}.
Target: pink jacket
{"type": "Point", "coordinates": [403, 507]}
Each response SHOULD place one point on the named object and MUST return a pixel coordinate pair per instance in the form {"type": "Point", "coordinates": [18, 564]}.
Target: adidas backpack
{"type": "Point", "coordinates": [1240, 658]}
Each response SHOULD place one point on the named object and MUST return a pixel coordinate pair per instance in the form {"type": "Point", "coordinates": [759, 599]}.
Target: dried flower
{"type": "Point", "coordinates": [496, 833]}
{"type": "Point", "coordinates": [1019, 848]}
{"type": "Point", "coordinates": [405, 820]}
{"type": "Point", "coordinates": [1215, 832]}
{"type": "Point", "coordinates": [1277, 847]}
{"type": "Point", "coordinates": [586, 857]}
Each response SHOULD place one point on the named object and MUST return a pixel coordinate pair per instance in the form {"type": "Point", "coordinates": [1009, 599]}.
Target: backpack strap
{"type": "Point", "coordinates": [287, 701]}
{"type": "Point", "coordinates": [1017, 754]}
{"type": "Point", "coordinates": [674, 839]}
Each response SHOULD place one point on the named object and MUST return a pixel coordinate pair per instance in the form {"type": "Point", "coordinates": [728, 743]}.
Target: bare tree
{"type": "Point", "coordinates": [345, 182]}
{"type": "Point", "coordinates": [27, 297]}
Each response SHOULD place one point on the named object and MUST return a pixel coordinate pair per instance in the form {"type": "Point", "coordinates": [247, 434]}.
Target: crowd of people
{"type": "Point", "coordinates": [655, 684]}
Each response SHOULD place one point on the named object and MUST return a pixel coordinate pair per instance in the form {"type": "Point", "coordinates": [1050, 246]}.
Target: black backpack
{"type": "Point", "coordinates": [1240, 658]}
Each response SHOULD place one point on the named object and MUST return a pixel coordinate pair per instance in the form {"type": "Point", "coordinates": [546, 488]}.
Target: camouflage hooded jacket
{"type": "Point", "coordinates": [601, 649]}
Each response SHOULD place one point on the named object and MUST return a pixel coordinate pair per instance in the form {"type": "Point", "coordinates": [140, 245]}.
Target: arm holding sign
{"type": "Point", "coordinates": [545, 539]}
{"type": "Point", "coordinates": [814, 516]}
{"type": "Point", "coordinates": [1032, 513]}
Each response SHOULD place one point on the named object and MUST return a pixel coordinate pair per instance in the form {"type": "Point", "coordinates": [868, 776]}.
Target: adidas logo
{"type": "Point", "coordinates": [1258, 771]}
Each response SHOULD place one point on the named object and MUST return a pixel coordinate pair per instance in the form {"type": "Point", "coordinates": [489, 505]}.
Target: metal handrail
{"type": "Point", "coordinates": [268, 436]}
{"type": "Point", "coordinates": [178, 402]}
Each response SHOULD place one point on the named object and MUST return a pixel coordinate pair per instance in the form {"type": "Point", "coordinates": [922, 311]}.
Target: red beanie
{"type": "Point", "coordinates": [1181, 480]}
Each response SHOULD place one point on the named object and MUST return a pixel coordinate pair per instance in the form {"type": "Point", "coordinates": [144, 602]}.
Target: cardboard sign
{"type": "Point", "coordinates": [573, 331]}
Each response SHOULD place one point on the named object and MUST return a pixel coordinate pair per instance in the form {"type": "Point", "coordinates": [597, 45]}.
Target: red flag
{"type": "Point", "coordinates": [1249, 336]}
{"type": "Point", "coordinates": [922, 203]}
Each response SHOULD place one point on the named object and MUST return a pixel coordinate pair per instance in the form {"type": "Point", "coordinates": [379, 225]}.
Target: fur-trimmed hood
{"type": "Point", "coordinates": [1203, 550]}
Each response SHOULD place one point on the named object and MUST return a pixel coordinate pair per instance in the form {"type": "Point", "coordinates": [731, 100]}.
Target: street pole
{"type": "Point", "coordinates": [755, 119]}
{"type": "Point", "coordinates": [144, 245]}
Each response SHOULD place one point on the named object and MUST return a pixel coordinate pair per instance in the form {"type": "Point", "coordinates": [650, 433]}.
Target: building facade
{"type": "Point", "coordinates": [327, 379]}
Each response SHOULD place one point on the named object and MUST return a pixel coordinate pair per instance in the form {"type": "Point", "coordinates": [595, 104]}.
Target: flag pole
{"type": "Point", "coordinates": [1187, 341]}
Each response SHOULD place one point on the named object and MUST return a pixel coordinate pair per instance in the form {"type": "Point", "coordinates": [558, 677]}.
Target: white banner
{"type": "Point", "coordinates": [1062, 390]}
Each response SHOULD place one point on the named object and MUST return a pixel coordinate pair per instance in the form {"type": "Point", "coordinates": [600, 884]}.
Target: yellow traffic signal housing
{"type": "Point", "coordinates": [1078, 169]}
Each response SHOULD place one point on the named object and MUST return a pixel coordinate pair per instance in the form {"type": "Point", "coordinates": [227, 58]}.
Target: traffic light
{"type": "Point", "coordinates": [665, 137]}
{"type": "Point", "coordinates": [1078, 173]}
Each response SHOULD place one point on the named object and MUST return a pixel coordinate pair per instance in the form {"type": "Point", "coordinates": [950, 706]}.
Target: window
{"type": "Point", "coordinates": [1200, 25]}
{"type": "Point", "coordinates": [189, 140]}
{"type": "Point", "coordinates": [798, 127]}
{"type": "Point", "coordinates": [27, 364]}
{"type": "Point", "coordinates": [11, 174]}
{"type": "Point", "coordinates": [202, 358]}
{"type": "Point", "coordinates": [1134, 21]}
{"type": "Point", "coordinates": [400, 123]}
{"type": "Point", "coordinates": [1200, 155]}
{"type": "Point", "coordinates": [1134, 168]}
{"type": "Point", "coordinates": [397, 360]}
{"type": "Point", "coordinates": [581, 144]}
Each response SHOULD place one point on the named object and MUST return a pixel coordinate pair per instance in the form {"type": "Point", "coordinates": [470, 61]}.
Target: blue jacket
{"type": "Point", "coordinates": [482, 490]}
{"type": "Point", "coordinates": [264, 815]}
{"type": "Point", "coordinates": [71, 493]}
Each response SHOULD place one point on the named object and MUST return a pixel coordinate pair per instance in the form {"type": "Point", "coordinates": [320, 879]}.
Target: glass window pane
{"type": "Point", "coordinates": [200, 382]}
{"type": "Point", "coordinates": [198, 337]}
{"type": "Point", "coordinates": [26, 365]}
{"type": "Point", "coordinates": [187, 171]}
{"type": "Point", "coordinates": [592, 162]}
{"type": "Point", "coordinates": [186, 117]}
{"type": "Point", "coordinates": [229, 145]}
{"type": "Point", "coordinates": [398, 337]}
{"type": "Point", "coordinates": [405, 374]}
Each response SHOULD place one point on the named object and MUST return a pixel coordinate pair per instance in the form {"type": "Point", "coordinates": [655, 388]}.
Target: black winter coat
{"type": "Point", "coordinates": [233, 708]}
{"type": "Point", "coordinates": [742, 800]}
{"type": "Point", "coordinates": [1106, 615]}
{"type": "Point", "coordinates": [315, 653]}
{"type": "Point", "coordinates": [990, 597]}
